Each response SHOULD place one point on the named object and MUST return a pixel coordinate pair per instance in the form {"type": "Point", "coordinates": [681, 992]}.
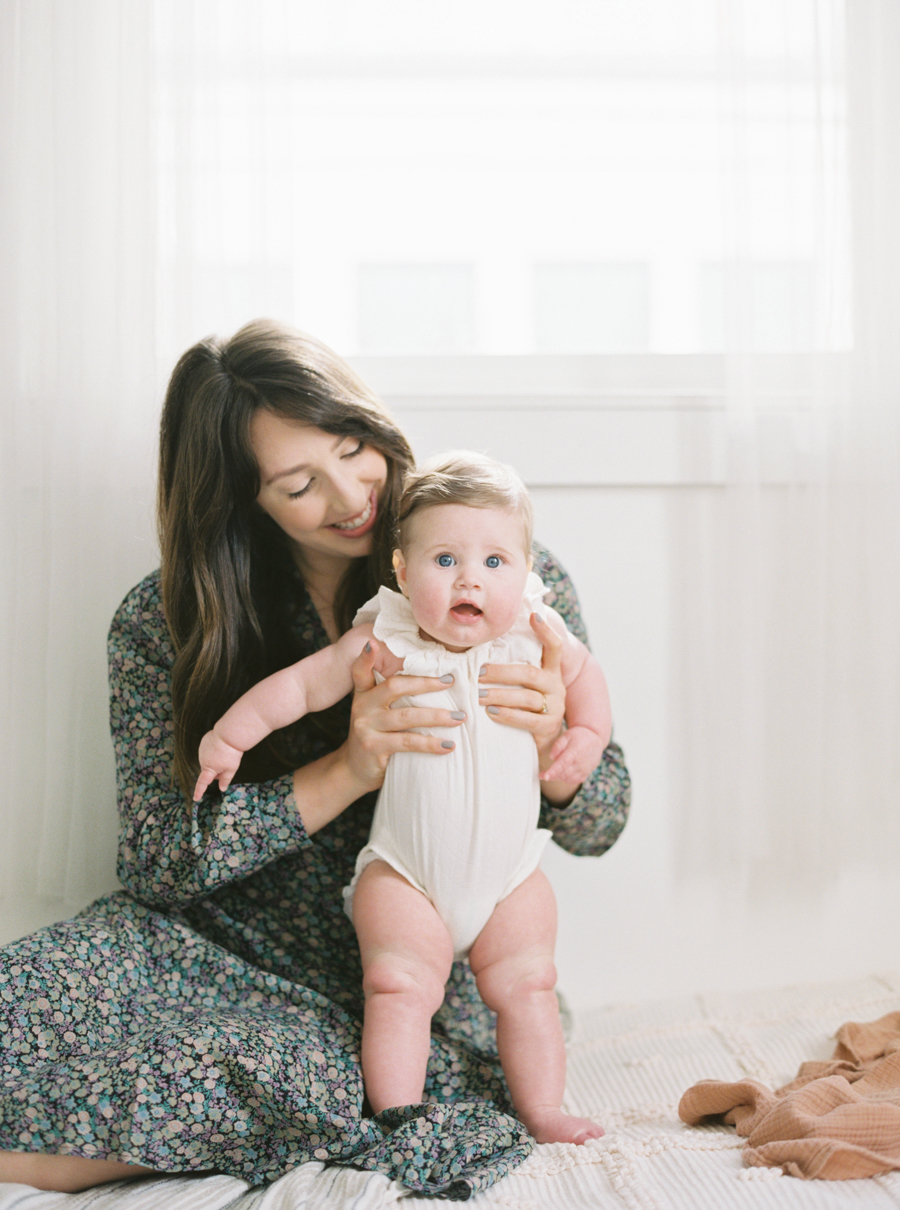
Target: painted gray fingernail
{"type": "Point", "coordinates": [458, 714]}
{"type": "Point", "coordinates": [482, 692]}
{"type": "Point", "coordinates": [445, 743]}
{"type": "Point", "coordinates": [482, 670]}
{"type": "Point", "coordinates": [367, 648]}
{"type": "Point", "coordinates": [447, 679]}
{"type": "Point", "coordinates": [493, 710]}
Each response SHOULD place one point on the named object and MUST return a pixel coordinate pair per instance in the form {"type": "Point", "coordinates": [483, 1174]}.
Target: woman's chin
{"type": "Point", "coordinates": [312, 548]}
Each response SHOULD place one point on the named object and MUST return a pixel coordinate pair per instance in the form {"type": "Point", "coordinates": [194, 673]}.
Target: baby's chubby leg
{"type": "Point", "coordinates": [406, 956]}
{"type": "Point", "coordinates": [512, 959]}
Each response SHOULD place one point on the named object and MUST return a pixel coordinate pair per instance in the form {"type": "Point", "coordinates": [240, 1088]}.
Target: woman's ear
{"type": "Point", "coordinates": [400, 571]}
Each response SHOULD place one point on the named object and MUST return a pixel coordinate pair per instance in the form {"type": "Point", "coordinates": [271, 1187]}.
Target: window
{"type": "Point", "coordinates": [601, 308]}
{"type": "Point", "coordinates": [572, 184]}
{"type": "Point", "coordinates": [416, 309]}
{"type": "Point", "coordinates": [768, 306]}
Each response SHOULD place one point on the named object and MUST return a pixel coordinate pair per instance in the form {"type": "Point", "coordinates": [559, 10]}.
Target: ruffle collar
{"type": "Point", "coordinates": [395, 625]}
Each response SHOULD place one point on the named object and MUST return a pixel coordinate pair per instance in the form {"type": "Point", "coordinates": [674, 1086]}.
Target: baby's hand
{"type": "Point", "coordinates": [217, 760]}
{"type": "Point", "coordinates": [575, 754]}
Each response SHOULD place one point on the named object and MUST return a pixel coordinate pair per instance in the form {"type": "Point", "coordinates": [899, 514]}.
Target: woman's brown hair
{"type": "Point", "coordinates": [223, 559]}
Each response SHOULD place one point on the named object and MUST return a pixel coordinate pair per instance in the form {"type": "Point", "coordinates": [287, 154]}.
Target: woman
{"type": "Point", "coordinates": [207, 1017]}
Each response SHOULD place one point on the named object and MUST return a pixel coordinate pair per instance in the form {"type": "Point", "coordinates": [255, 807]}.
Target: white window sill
{"type": "Point", "coordinates": [654, 420]}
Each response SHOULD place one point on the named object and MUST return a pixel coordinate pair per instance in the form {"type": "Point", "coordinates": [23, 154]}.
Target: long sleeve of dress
{"type": "Point", "coordinates": [172, 851]}
{"type": "Point", "coordinates": [593, 821]}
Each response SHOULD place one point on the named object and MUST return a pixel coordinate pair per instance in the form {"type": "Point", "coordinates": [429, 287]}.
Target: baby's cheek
{"type": "Point", "coordinates": [427, 608]}
{"type": "Point", "coordinates": [506, 609]}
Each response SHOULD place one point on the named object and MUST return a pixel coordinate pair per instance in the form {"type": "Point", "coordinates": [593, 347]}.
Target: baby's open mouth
{"type": "Point", "coordinates": [466, 611]}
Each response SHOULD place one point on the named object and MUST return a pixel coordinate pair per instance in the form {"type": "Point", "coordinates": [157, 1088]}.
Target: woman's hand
{"type": "Point", "coordinates": [533, 699]}
{"type": "Point", "coordinates": [377, 731]}
{"type": "Point", "coordinates": [323, 789]}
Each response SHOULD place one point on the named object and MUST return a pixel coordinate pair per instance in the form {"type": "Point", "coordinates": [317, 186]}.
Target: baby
{"type": "Point", "coordinates": [450, 869]}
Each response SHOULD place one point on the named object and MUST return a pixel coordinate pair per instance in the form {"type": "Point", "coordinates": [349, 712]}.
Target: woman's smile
{"type": "Point", "coordinates": [356, 526]}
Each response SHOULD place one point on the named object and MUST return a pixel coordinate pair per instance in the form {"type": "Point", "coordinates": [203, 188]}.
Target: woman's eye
{"type": "Point", "coordinates": [445, 560]}
{"type": "Point", "coordinates": [301, 492]}
{"type": "Point", "coordinates": [493, 561]}
{"type": "Point", "coordinates": [355, 452]}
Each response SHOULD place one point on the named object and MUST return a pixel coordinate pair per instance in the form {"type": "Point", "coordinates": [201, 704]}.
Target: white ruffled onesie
{"type": "Point", "coordinates": [461, 828]}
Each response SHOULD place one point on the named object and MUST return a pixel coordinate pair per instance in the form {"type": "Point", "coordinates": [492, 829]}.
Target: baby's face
{"type": "Point", "coordinates": [464, 572]}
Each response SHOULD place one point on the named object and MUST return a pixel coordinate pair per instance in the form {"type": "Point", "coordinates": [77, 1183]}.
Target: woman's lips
{"type": "Point", "coordinates": [356, 526]}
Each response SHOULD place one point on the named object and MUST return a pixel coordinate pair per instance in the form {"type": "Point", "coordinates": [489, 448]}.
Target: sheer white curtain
{"type": "Point", "coordinates": [77, 334]}
{"type": "Point", "coordinates": [785, 704]}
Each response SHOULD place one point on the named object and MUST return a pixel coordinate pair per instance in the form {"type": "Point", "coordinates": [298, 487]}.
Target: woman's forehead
{"type": "Point", "coordinates": [282, 445]}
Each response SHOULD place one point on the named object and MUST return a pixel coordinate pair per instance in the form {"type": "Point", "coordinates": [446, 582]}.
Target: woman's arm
{"type": "Point", "coordinates": [172, 851]}
{"type": "Point", "coordinates": [593, 821]}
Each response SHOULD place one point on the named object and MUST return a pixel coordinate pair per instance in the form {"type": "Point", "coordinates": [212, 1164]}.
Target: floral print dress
{"type": "Point", "coordinates": [207, 1017]}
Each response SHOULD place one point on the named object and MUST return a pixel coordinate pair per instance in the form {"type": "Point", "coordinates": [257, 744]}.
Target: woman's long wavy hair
{"type": "Point", "coordinates": [224, 588]}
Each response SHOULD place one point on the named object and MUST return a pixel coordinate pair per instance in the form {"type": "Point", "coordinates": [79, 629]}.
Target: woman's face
{"type": "Point", "coordinates": [323, 491]}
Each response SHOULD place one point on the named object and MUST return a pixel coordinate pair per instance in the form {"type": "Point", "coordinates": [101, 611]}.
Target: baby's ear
{"type": "Point", "coordinates": [400, 571]}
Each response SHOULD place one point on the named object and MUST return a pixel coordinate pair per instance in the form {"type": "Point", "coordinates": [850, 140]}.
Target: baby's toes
{"type": "Point", "coordinates": [590, 1131]}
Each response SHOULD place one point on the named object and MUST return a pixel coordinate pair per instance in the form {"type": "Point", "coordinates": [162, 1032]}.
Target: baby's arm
{"type": "Point", "coordinates": [588, 716]}
{"type": "Point", "coordinates": [309, 685]}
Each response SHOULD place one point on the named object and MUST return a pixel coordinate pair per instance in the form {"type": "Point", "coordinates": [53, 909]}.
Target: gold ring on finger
{"type": "Point", "coordinates": [545, 709]}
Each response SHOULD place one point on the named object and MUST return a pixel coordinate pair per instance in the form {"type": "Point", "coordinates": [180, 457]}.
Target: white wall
{"type": "Point", "coordinates": [630, 928]}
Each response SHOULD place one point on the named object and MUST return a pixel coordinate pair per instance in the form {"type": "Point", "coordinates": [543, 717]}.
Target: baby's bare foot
{"type": "Point", "coordinates": [549, 1125]}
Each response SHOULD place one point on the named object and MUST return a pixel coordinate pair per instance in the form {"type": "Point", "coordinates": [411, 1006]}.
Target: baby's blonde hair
{"type": "Point", "coordinates": [463, 477]}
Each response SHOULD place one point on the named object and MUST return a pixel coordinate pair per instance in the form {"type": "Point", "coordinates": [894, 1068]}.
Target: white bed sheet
{"type": "Point", "coordinates": [628, 1066]}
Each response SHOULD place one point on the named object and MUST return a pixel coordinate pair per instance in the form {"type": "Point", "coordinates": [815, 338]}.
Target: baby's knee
{"type": "Point", "coordinates": [511, 980]}
{"type": "Point", "coordinates": [415, 985]}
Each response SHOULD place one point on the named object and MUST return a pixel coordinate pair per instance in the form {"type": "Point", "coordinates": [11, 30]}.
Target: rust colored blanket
{"type": "Point", "coordinates": [838, 1119]}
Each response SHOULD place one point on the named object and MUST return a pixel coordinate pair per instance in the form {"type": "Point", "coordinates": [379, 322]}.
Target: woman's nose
{"type": "Point", "coordinates": [348, 493]}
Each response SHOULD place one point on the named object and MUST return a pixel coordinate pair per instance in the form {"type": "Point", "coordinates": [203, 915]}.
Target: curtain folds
{"type": "Point", "coordinates": [787, 576]}
{"type": "Point", "coordinates": [77, 232]}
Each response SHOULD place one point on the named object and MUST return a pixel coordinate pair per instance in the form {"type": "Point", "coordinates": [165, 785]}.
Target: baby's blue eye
{"type": "Point", "coordinates": [445, 560]}
{"type": "Point", "coordinates": [493, 561]}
